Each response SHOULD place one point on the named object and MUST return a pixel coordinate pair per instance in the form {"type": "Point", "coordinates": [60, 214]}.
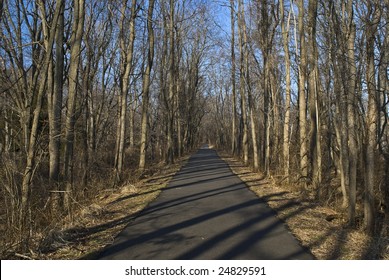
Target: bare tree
{"type": "Point", "coordinates": [33, 137]}
{"type": "Point", "coordinates": [233, 79]}
{"type": "Point", "coordinates": [372, 21]}
{"type": "Point", "coordinates": [242, 87]}
{"type": "Point", "coordinates": [302, 96]}
{"type": "Point", "coordinates": [146, 86]}
{"type": "Point", "coordinates": [285, 40]}
{"type": "Point", "coordinates": [75, 54]}
{"type": "Point", "coordinates": [126, 66]}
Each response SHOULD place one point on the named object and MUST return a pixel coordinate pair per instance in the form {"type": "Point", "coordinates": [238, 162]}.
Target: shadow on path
{"type": "Point", "coordinates": [206, 212]}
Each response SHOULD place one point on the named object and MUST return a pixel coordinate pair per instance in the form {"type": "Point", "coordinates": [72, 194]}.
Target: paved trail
{"type": "Point", "coordinates": [206, 212]}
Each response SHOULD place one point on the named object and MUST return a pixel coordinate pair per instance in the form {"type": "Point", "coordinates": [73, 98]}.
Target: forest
{"type": "Point", "coordinates": [96, 93]}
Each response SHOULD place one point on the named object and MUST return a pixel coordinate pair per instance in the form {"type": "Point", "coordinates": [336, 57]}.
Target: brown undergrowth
{"type": "Point", "coordinates": [96, 225]}
{"type": "Point", "coordinates": [322, 229]}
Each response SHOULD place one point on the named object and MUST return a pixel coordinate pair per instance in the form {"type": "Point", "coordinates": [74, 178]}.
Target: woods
{"type": "Point", "coordinates": [312, 72]}
{"type": "Point", "coordinates": [94, 93]}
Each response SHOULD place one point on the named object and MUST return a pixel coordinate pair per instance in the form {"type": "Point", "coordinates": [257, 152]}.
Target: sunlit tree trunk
{"type": "Point", "coordinates": [285, 41]}
{"type": "Point", "coordinates": [233, 82]}
{"type": "Point", "coordinates": [126, 53]}
{"type": "Point", "coordinates": [302, 96]}
{"type": "Point", "coordinates": [75, 54]}
{"type": "Point", "coordinates": [242, 89]}
{"type": "Point", "coordinates": [33, 137]}
{"type": "Point", "coordinates": [171, 84]}
{"type": "Point", "coordinates": [54, 109]}
{"type": "Point", "coordinates": [146, 87]}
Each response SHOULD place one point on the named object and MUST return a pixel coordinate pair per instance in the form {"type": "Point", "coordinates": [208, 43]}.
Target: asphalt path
{"type": "Point", "coordinates": [206, 212]}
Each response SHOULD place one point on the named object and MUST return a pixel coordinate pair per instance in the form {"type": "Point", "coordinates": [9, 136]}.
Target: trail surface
{"type": "Point", "coordinates": [206, 212]}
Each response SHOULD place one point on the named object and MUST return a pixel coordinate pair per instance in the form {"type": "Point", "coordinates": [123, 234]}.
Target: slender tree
{"type": "Point", "coordinates": [126, 67]}
{"type": "Point", "coordinates": [285, 41]}
{"type": "Point", "coordinates": [75, 54]}
{"type": "Point", "coordinates": [146, 86]}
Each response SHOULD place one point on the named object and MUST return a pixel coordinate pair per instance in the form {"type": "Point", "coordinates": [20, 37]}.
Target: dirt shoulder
{"type": "Point", "coordinates": [320, 228]}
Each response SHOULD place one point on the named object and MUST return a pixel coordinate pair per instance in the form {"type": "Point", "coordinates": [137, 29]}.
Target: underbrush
{"type": "Point", "coordinates": [321, 225]}
{"type": "Point", "coordinates": [55, 233]}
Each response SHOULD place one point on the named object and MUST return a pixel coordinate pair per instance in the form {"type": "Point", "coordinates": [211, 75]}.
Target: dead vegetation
{"type": "Point", "coordinates": [95, 225]}
{"type": "Point", "coordinates": [318, 226]}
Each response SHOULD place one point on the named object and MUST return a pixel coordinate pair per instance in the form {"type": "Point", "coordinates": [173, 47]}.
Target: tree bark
{"type": "Point", "coordinates": [146, 87]}
{"type": "Point", "coordinates": [233, 82]}
{"type": "Point", "coordinates": [75, 54]}
{"type": "Point", "coordinates": [372, 118]}
{"type": "Point", "coordinates": [55, 104]}
{"type": "Point", "coordinates": [285, 40]}
{"type": "Point", "coordinates": [126, 53]}
{"type": "Point", "coordinates": [33, 137]}
{"type": "Point", "coordinates": [302, 96]}
{"type": "Point", "coordinates": [312, 87]}
{"type": "Point", "coordinates": [353, 145]}
{"type": "Point", "coordinates": [242, 89]}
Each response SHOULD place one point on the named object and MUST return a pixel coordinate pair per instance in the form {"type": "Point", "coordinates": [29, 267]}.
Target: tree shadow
{"type": "Point", "coordinates": [240, 249]}
{"type": "Point", "coordinates": [166, 222]}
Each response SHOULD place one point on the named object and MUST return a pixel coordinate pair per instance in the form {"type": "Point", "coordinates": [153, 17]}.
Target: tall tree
{"type": "Point", "coordinates": [233, 80]}
{"type": "Point", "coordinates": [146, 86]}
{"type": "Point", "coordinates": [126, 67]}
{"type": "Point", "coordinates": [33, 137]}
{"type": "Point", "coordinates": [351, 112]}
{"type": "Point", "coordinates": [54, 98]}
{"type": "Point", "coordinates": [372, 21]}
{"type": "Point", "coordinates": [242, 83]}
{"type": "Point", "coordinates": [302, 96]}
{"type": "Point", "coordinates": [75, 54]}
{"type": "Point", "coordinates": [285, 41]}
{"type": "Point", "coordinates": [312, 76]}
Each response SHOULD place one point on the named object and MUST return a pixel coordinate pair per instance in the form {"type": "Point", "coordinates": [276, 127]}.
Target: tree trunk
{"type": "Point", "coordinates": [75, 54]}
{"type": "Point", "coordinates": [302, 97]}
{"type": "Point", "coordinates": [242, 90]}
{"type": "Point", "coordinates": [146, 87]}
{"type": "Point", "coordinates": [171, 85]}
{"type": "Point", "coordinates": [33, 137]}
{"type": "Point", "coordinates": [233, 70]}
{"type": "Point", "coordinates": [353, 146]}
{"type": "Point", "coordinates": [285, 40]}
{"type": "Point", "coordinates": [54, 109]}
{"type": "Point", "coordinates": [372, 119]}
{"type": "Point", "coordinates": [126, 52]}
{"type": "Point", "coordinates": [313, 94]}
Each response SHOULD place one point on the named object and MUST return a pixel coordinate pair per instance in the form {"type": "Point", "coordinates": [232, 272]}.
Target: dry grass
{"type": "Point", "coordinates": [320, 228]}
{"type": "Point", "coordinates": [95, 226]}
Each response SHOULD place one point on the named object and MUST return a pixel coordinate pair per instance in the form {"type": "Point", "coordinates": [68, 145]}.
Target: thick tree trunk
{"type": "Point", "coordinates": [372, 119]}
{"type": "Point", "coordinates": [313, 94]}
{"type": "Point", "coordinates": [242, 89]}
{"type": "Point", "coordinates": [353, 146]}
{"type": "Point", "coordinates": [54, 108]}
